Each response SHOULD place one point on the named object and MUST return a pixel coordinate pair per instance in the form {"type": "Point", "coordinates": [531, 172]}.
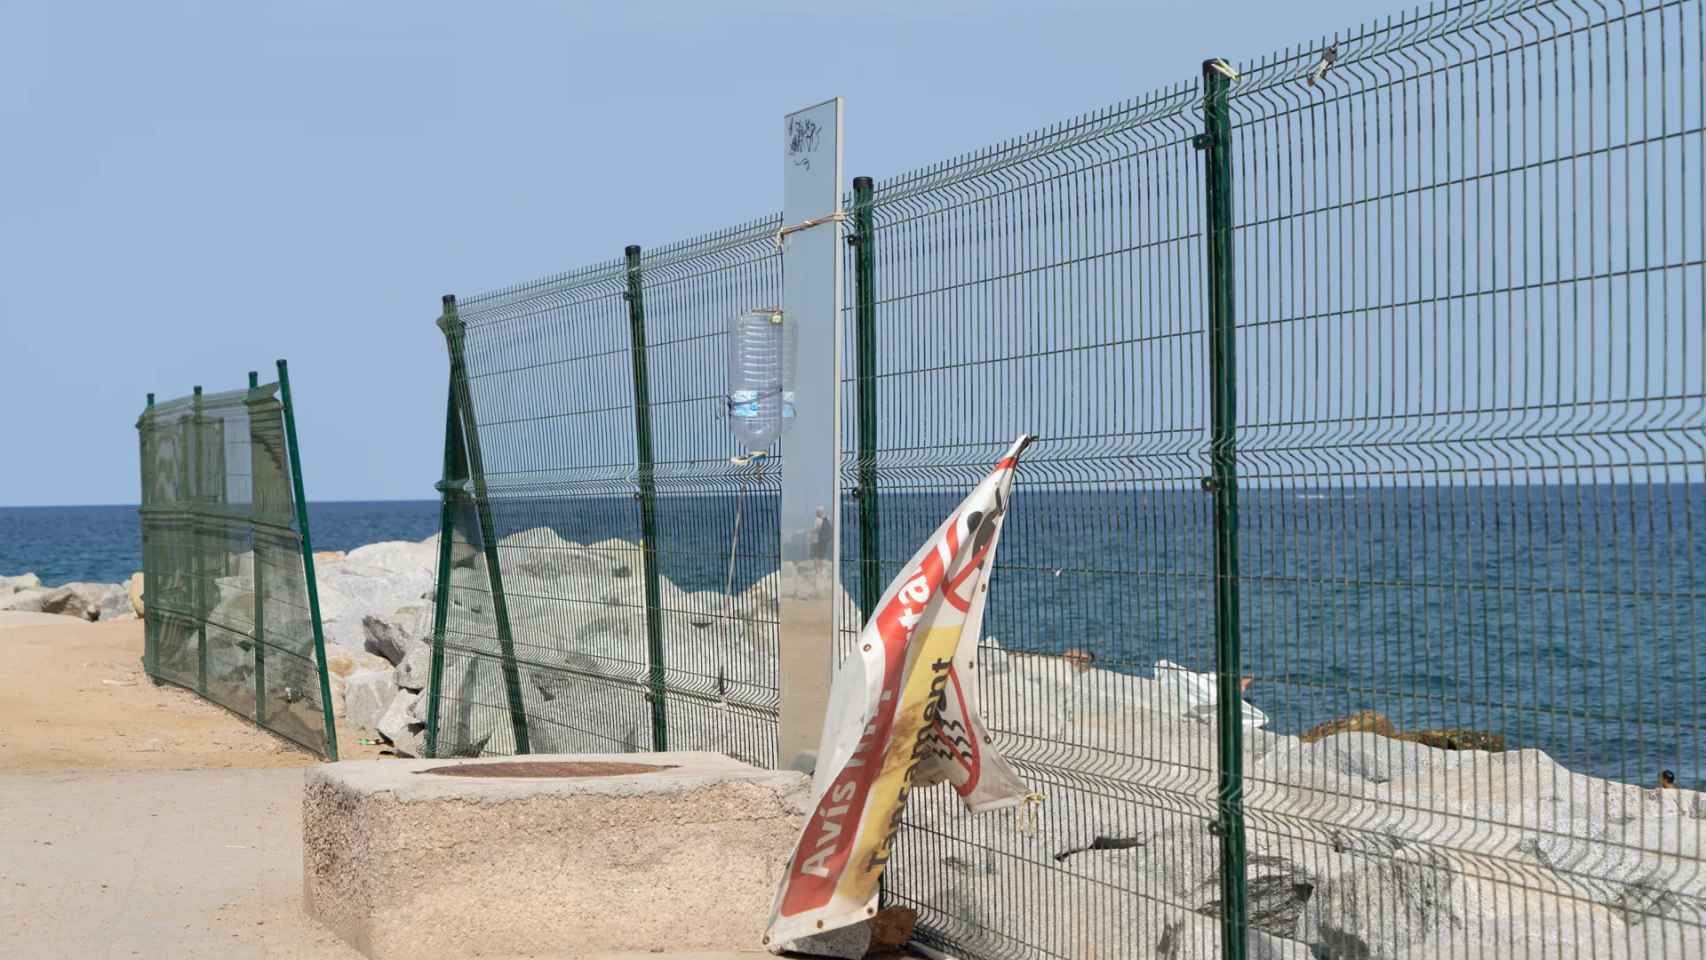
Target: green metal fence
{"type": "Point", "coordinates": [232, 609]}
{"type": "Point", "coordinates": [587, 473]}
{"type": "Point", "coordinates": [1350, 601]}
{"type": "Point", "coordinates": [1469, 287]}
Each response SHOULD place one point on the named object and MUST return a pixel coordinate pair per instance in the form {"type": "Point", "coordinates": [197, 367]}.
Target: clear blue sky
{"type": "Point", "coordinates": [190, 190]}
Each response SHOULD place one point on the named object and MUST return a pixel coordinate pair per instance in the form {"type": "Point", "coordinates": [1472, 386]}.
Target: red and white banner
{"type": "Point", "coordinates": [903, 714]}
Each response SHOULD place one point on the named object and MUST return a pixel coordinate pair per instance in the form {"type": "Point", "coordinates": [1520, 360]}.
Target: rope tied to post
{"type": "Point", "coordinates": [1025, 814]}
{"type": "Point", "coordinates": [837, 216]}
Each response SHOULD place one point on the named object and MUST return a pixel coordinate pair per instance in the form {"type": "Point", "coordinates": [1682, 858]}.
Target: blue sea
{"type": "Point", "coordinates": [104, 544]}
{"type": "Point", "coordinates": [1567, 618]}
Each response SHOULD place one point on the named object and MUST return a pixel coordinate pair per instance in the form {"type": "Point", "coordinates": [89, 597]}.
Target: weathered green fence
{"type": "Point", "coordinates": [232, 611]}
{"type": "Point", "coordinates": [1371, 383]}
{"type": "Point", "coordinates": [583, 425]}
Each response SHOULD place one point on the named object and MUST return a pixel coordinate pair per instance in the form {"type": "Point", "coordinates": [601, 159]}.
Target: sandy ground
{"type": "Point", "coordinates": [73, 697]}
{"type": "Point", "coordinates": [193, 864]}
{"type": "Point", "coordinates": [141, 821]}
{"type": "Point", "coordinates": [136, 820]}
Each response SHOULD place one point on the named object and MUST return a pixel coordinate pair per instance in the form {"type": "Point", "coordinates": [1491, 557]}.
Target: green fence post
{"type": "Point", "coordinates": [260, 600]}
{"type": "Point", "coordinates": [865, 339]}
{"type": "Point", "coordinates": [196, 482]}
{"type": "Point", "coordinates": [1215, 142]}
{"type": "Point", "coordinates": [308, 560]}
{"type": "Point", "coordinates": [150, 634]}
{"type": "Point", "coordinates": [451, 323]}
{"type": "Point", "coordinates": [451, 488]}
{"type": "Point", "coordinates": [648, 495]}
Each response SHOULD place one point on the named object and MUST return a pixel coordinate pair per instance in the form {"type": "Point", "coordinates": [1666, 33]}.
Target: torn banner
{"type": "Point", "coordinates": [903, 714]}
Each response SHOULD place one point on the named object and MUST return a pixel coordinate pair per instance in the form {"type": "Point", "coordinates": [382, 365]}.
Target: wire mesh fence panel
{"type": "Point", "coordinates": [227, 612]}
{"type": "Point", "coordinates": [1470, 445]}
{"type": "Point", "coordinates": [621, 641]}
{"type": "Point", "coordinates": [717, 546]}
{"type": "Point", "coordinates": [544, 495]}
{"type": "Point", "coordinates": [1054, 285]}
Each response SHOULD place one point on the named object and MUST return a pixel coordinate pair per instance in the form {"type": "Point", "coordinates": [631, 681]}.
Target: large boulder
{"type": "Point", "coordinates": [414, 670]}
{"type": "Point", "coordinates": [133, 589]}
{"type": "Point", "coordinates": [796, 581]}
{"type": "Point", "coordinates": [1198, 693]}
{"type": "Point", "coordinates": [1384, 899]}
{"type": "Point", "coordinates": [1178, 860]}
{"type": "Point", "coordinates": [473, 712]}
{"type": "Point", "coordinates": [1510, 796]}
{"type": "Point", "coordinates": [1370, 721]}
{"type": "Point", "coordinates": [471, 588]}
{"type": "Point", "coordinates": [387, 638]}
{"type": "Point", "coordinates": [1054, 706]}
{"type": "Point", "coordinates": [342, 661]}
{"type": "Point", "coordinates": [541, 552]}
{"type": "Point", "coordinates": [626, 558]}
{"type": "Point", "coordinates": [1171, 861]}
{"type": "Point", "coordinates": [367, 695]}
{"type": "Point", "coordinates": [421, 711]}
{"type": "Point", "coordinates": [230, 657]}
{"type": "Point", "coordinates": [115, 605]}
{"type": "Point", "coordinates": [1633, 851]}
{"type": "Point", "coordinates": [705, 607]}
{"type": "Point", "coordinates": [1363, 720]}
{"type": "Point", "coordinates": [397, 556]}
{"type": "Point", "coordinates": [1033, 697]}
{"type": "Point", "coordinates": [403, 731]}
{"type": "Point", "coordinates": [1332, 761]}
{"type": "Point", "coordinates": [357, 588]}
{"type": "Point", "coordinates": [762, 600]}
{"type": "Point", "coordinates": [571, 596]}
{"type": "Point", "coordinates": [341, 664]}
{"type": "Point", "coordinates": [23, 581]}
{"type": "Point", "coordinates": [1508, 853]}
{"type": "Point", "coordinates": [1520, 923]}
{"type": "Point", "coordinates": [1458, 738]}
{"type": "Point", "coordinates": [26, 600]}
{"type": "Point", "coordinates": [574, 706]}
{"type": "Point", "coordinates": [1641, 864]}
{"type": "Point", "coordinates": [85, 600]}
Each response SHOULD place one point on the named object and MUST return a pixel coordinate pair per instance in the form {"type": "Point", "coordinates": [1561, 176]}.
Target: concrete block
{"type": "Point", "coordinates": [400, 862]}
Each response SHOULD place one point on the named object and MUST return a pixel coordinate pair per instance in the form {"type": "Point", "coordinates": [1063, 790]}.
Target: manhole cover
{"type": "Point", "coordinates": [546, 769]}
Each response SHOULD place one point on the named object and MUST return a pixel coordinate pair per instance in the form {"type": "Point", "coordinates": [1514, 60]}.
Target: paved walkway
{"type": "Point", "coordinates": [187, 864]}
{"type": "Point", "coordinates": [184, 864]}
{"type": "Point", "coordinates": [129, 827]}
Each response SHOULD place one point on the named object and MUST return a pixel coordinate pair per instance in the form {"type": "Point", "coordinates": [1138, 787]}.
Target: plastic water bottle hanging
{"type": "Point", "coordinates": [762, 353]}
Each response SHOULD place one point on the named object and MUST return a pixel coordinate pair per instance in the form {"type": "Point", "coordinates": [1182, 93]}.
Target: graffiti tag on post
{"type": "Point", "coordinates": [802, 140]}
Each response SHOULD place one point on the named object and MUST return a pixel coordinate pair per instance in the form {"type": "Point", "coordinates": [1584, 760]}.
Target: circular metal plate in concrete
{"type": "Point", "coordinates": [547, 769]}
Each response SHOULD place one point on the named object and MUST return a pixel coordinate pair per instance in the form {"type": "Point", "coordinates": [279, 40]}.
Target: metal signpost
{"type": "Point", "coordinates": [811, 451]}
